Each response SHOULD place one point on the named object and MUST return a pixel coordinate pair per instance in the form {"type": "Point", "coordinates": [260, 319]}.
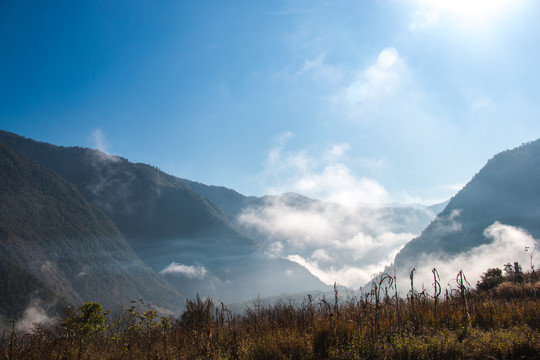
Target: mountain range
{"type": "Point", "coordinates": [176, 232]}
{"type": "Point", "coordinates": [80, 225]}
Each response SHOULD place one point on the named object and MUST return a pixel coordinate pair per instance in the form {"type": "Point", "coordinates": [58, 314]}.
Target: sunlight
{"type": "Point", "coordinates": [471, 12]}
{"type": "Point", "coordinates": [479, 11]}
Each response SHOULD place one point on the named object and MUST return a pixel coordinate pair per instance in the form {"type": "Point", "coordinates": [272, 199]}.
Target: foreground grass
{"type": "Point", "coordinates": [502, 322]}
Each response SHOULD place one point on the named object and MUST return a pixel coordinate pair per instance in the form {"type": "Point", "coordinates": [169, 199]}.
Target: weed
{"type": "Point", "coordinates": [500, 322]}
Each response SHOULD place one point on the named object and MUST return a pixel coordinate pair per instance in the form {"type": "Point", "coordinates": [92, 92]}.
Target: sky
{"type": "Point", "coordinates": [348, 101]}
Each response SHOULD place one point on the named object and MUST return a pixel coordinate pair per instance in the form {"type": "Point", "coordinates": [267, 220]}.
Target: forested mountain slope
{"type": "Point", "coordinates": [49, 229]}
{"type": "Point", "coordinates": [172, 228]}
{"type": "Point", "coordinates": [506, 190]}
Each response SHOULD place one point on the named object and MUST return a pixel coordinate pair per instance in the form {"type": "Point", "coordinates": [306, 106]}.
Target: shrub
{"type": "Point", "coordinates": [490, 279]}
{"type": "Point", "coordinates": [89, 320]}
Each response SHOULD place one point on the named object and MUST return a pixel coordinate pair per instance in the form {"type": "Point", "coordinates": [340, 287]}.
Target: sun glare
{"type": "Point", "coordinates": [477, 10]}
{"type": "Point", "coordinates": [471, 12]}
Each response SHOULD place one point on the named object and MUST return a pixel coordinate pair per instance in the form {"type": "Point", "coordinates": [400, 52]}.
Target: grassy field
{"type": "Point", "coordinates": [499, 319]}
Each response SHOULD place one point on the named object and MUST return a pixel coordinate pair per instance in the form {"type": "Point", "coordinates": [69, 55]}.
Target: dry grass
{"type": "Point", "coordinates": [502, 323]}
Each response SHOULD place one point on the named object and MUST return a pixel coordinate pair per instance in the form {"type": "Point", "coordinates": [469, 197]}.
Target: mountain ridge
{"type": "Point", "coordinates": [49, 229]}
{"type": "Point", "coordinates": [175, 230]}
{"type": "Point", "coordinates": [505, 190]}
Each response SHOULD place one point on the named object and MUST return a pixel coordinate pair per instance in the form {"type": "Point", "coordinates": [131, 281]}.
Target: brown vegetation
{"type": "Point", "coordinates": [502, 322]}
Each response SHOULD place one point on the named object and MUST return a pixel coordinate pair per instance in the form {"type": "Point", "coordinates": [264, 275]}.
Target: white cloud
{"type": "Point", "coordinates": [334, 242]}
{"type": "Point", "coordinates": [98, 141]}
{"type": "Point", "coordinates": [275, 249]}
{"type": "Point", "coordinates": [34, 314]}
{"type": "Point", "coordinates": [336, 183]}
{"type": "Point", "coordinates": [380, 90]}
{"type": "Point", "coordinates": [507, 246]}
{"type": "Point", "coordinates": [347, 234]}
{"type": "Point", "coordinates": [431, 195]}
{"type": "Point", "coordinates": [335, 152]}
{"type": "Point", "coordinates": [97, 138]}
{"type": "Point", "coordinates": [190, 271]}
{"type": "Point", "coordinates": [445, 225]}
{"type": "Point", "coordinates": [358, 91]}
{"type": "Point", "coordinates": [278, 219]}
{"type": "Point", "coordinates": [345, 275]}
{"type": "Point", "coordinates": [320, 173]}
{"type": "Point", "coordinates": [321, 256]}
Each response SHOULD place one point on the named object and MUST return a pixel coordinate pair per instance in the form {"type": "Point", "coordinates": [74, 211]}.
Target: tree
{"type": "Point", "coordinates": [490, 279]}
{"type": "Point", "coordinates": [89, 319]}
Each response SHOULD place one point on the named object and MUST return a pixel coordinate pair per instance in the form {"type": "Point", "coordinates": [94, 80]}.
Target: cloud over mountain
{"type": "Point", "coordinates": [322, 173]}
{"type": "Point", "coordinates": [334, 242]}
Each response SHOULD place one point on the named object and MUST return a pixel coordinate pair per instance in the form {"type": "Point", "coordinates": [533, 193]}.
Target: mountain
{"type": "Point", "coordinates": [229, 201]}
{"type": "Point", "coordinates": [51, 231]}
{"type": "Point", "coordinates": [505, 191]}
{"type": "Point", "coordinates": [437, 208]}
{"type": "Point", "coordinates": [397, 218]}
{"type": "Point", "coordinates": [336, 243]}
{"type": "Point", "coordinates": [171, 227]}
{"type": "Point", "coordinates": [366, 219]}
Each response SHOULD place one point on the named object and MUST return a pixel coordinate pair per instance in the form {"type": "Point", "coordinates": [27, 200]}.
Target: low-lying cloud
{"type": "Point", "coordinates": [34, 314]}
{"type": "Point", "coordinates": [507, 245]}
{"type": "Point", "coordinates": [97, 138]}
{"type": "Point", "coordinates": [447, 224]}
{"type": "Point", "coordinates": [334, 242]}
{"type": "Point", "coordinates": [189, 271]}
{"type": "Point", "coordinates": [347, 234]}
{"type": "Point", "coordinates": [98, 141]}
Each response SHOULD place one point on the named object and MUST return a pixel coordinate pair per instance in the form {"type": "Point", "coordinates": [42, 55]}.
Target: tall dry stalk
{"type": "Point", "coordinates": [412, 294]}
{"type": "Point", "coordinates": [436, 292]}
{"type": "Point", "coordinates": [461, 281]}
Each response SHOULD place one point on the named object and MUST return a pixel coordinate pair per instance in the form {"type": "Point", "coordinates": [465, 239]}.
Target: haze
{"type": "Point", "coordinates": [356, 103]}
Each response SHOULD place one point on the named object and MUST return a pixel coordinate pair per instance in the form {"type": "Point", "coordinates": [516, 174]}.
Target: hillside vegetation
{"type": "Point", "coordinates": [18, 288]}
{"type": "Point", "coordinates": [166, 223]}
{"type": "Point", "coordinates": [500, 322]}
{"type": "Point", "coordinates": [51, 231]}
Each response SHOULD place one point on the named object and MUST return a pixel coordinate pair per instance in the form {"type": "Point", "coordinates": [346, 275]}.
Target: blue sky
{"type": "Point", "coordinates": [348, 101]}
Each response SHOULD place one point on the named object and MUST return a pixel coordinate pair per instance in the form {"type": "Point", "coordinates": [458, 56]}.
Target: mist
{"type": "Point", "coordinates": [336, 243]}
{"type": "Point", "coordinates": [34, 314]}
{"type": "Point", "coordinates": [506, 245]}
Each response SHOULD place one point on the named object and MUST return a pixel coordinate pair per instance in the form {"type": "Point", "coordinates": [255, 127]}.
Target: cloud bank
{"type": "Point", "coordinates": [336, 243]}
{"type": "Point", "coordinates": [348, 233]}
{"type": "Point", "coordinates": [507, 245]}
